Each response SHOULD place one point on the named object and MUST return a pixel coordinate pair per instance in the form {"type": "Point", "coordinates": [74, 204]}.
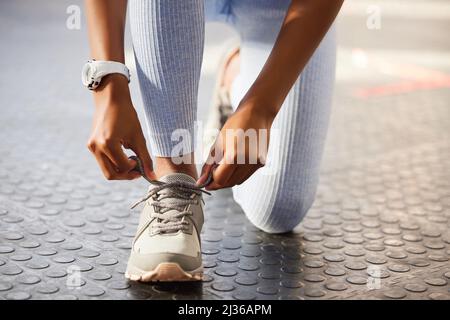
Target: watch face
{"type": "Point", "coordinates": [87, 75]}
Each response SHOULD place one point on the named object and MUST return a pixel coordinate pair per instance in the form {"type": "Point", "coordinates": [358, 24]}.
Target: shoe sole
{"type": "Point", "coordinates": [165, 272]}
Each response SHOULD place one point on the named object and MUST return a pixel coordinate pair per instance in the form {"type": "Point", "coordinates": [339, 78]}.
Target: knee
{"type": "Point", "coordinates": [286, 213]}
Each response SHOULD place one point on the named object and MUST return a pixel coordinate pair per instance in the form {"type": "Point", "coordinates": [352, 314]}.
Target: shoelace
{"type": "Point", "coordinates": [178, 195]}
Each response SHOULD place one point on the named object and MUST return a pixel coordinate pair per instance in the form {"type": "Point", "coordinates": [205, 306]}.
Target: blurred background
{"type": "Point", "coordinates": [384, 191]}
{"type": "Point", "coordinates": [392, 53]}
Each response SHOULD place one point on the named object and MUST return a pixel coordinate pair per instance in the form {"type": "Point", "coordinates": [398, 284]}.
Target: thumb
{"type": "Point", "coordinates": [209, 166]}
{"type": "Point", "coordinates": [214, 156]}
{"type": "Point", "coordinates": [206, 169]}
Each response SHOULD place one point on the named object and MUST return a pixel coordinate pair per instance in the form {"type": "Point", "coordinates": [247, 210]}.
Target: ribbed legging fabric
{"type": "Point", "coordinates": [168, 39]}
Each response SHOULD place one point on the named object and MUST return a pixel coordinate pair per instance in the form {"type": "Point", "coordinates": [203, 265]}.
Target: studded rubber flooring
{"type": "Point", "coordinates": [379, 228]}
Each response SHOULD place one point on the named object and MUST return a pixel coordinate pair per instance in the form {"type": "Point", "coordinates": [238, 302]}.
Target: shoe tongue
{"type": "Point", "coordinates": [177, 177]}
{"type": "Point", "coordinates": [173, 200]}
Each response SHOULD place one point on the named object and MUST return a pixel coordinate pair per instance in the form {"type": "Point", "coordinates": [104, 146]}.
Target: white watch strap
{"type": "Point", "coordinates": [107, 67]}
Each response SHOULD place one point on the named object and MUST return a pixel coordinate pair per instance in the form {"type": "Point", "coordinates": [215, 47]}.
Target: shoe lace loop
{"type": "Point", "coordinates": [170, 213]}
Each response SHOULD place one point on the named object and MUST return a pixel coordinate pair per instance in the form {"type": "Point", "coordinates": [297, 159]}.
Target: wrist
{"type": "Point", "coordinates": [260, 106]}
{"type": "Point", "coordinates": [114, 87]}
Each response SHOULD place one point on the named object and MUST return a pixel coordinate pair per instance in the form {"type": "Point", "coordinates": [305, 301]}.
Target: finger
{"type": "Point", "coordinates": [210, 163]}
{"type": "Point", "coordinates": [117, 156]}
{"type": "Point", "coordinates": [216, 153]}
{"type": "Point", "coordinates": [240, 176]}
{"type": "Point", "coordinates": [109, 170]}
{"type": "Point", "coordinates": [132, 175]}
{"type": "Point", "coordinates": [221, 175]}
{"type": "Point", "coordinates": [140, 148]}
{"type": "Point", "coordinates": [105, 165]}
{"type": "Point", "coordinates": [206, 169]}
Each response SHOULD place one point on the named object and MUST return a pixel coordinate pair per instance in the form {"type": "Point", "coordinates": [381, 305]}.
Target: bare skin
{"type": "Point", "coordinates": [116, 124]}
{"type": "Point", "coordinates": [260, 105]}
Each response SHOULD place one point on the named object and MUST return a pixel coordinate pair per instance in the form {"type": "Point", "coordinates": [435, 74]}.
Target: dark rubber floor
{"type": "Point", "coordinates": [379, 228]}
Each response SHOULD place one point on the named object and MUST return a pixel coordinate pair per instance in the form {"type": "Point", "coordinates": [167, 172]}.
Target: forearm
{"type": "Point", "coordinates": [304, 26]}
{"type": "Point", "coordinates": [106, 24]}
{"type": "Point", "coordinates": [106, 27]}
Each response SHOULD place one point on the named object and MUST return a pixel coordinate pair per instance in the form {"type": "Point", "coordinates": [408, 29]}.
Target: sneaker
{"type": "Point", "coordinates": [167, 243]}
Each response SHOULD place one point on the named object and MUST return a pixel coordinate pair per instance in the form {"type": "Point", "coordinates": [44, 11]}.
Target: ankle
{"type": "Point", "coordinates": [168, 165]}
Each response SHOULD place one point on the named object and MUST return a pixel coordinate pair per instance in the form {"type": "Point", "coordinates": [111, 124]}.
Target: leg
{"type": "Point", "coordinates": [168, 39]}
{"type": "Point", "coordinates": [276, 198]}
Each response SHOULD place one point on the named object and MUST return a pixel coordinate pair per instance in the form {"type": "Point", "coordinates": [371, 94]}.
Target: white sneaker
{"type": "Point", "coordinates": [167, 243]}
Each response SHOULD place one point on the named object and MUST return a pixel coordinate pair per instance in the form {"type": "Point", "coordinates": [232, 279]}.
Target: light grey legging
{"type": "Point", "coordinates": [168, 38]}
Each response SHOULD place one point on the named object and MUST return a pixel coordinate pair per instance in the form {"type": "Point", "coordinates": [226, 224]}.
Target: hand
{"type": "Point", "coordinates": [116, 125]}
{"type": "Point", "coordinates": [235, 156]}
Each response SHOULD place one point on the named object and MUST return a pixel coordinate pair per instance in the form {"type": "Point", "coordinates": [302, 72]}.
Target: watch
{"type": "Point", "coordinates": [93, 72]}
